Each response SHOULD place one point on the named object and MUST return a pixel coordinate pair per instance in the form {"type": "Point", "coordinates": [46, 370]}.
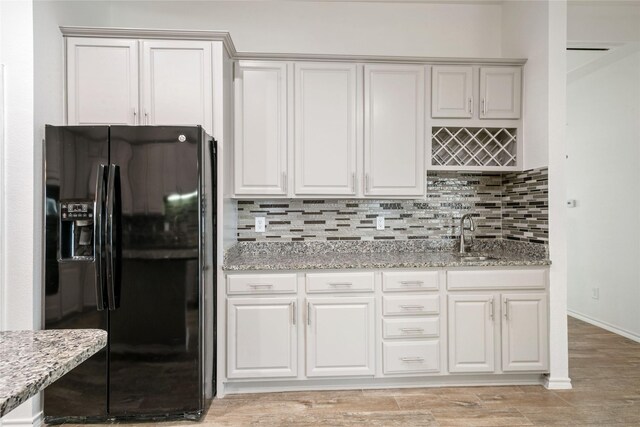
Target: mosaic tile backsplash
{"type": "Point", "coordinates": [449, 196]}
{"type": "Point", "coordinates": [525, 206]}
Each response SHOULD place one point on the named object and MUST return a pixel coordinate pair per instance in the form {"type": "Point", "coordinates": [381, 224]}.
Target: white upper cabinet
{"type": "Point", "coordinates": [176, 83]}
{"type": "Point", "coordinates": [500, 92]}
{"type": "Point", "coordinates": [102, 81]}
{"type": "Point", "coordinates": [394, 97]}
{"type": "Point", "coordinates": [455, 92]}
{"type": "Point", "coordinates": [260, 153]}
{"type": "Point", "coordinates": [326, 130]}
{"type": "Point", "coordinates": [451, 92]}
{"type": "Point", "coordinates": [525, 338]}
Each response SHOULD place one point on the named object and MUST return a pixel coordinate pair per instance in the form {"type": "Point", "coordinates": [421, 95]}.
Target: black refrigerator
{"type": "Point", "coordinates": [130, 248]}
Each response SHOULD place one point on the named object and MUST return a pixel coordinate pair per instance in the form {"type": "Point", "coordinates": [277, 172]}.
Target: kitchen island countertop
{"type": "Point", "coordinates": [32, 360]}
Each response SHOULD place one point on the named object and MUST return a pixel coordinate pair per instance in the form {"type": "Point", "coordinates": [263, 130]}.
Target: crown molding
{"type": "Point", "coordinates": [225, 38]}
{"type": "Point", "coordinates": [144, 33]}
{"type": "Point", "coordinates": [388, 59]}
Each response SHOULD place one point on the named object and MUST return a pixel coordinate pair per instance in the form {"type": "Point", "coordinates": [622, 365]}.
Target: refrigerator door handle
{"type": "Point", "coordinates": [110, 247]}
{"type": "Point", "coordinates": [98, 231]}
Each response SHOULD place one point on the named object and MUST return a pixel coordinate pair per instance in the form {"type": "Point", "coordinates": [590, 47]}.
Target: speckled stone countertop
{"type": "Point", "coordinates": [372, 254]}
{"type": "Point", "coordinates": [32, 360]}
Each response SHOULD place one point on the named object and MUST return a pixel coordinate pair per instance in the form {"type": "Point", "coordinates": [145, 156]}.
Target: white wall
{"type": "Point", "coordinates": [525, 31]}
{"type": "Point", "coordinates": [557, 113]}
{"type": "Point", "coordinates": [373, 28]}
{"type": "Point", "coordinates": [31, 50]}
{"type": "Point", "coordinates": [603, 21]}
{"type": "Point", "coordinates": [49, 52]}
{"type": "Point", "coordinates": [21, 283]}
{"type": "Point", "coordinates": [604, 151]}
{"type": "Point", "coordinates": [537, 30]}
{"type": "Point", "coordinates": [2, 186]}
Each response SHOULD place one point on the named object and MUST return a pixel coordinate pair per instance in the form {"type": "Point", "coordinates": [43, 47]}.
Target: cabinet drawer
{"type": "Point", "coordinates": [411, 328]}
{"type": "Point", "coordinates": [410, 281]}
{"type": "Point", "coordinates": [497, 279]}
{"type": "Point", "coordinates": [261, 283]}
{"type": "Point", "coordinates": [415, 356]}
{"type": "Point", "coordinates": [410, 305]}
{"type": "Point", "coordinates": [339, 282]}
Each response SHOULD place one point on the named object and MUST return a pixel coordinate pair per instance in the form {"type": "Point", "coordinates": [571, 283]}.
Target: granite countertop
{"type": "Point", "coordinates": [364, 255]}
{"type": "Point", "coordinates": [32, 360]}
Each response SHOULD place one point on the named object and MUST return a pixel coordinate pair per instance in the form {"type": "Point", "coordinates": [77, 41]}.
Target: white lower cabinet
{"type": "Point", "coordinates": [411, 356]}
{"type": "Point", "coordinates": [421, 327]}
{"type": "Point", "coordinates": [365, 326]}
{"type": "Point", "coordinates": [525, 340]}
{"type": "Point", "coordinates": [262, 337]}
{"type": "Point", "coordinates": [471, 333]}
{"type": "Point", "coordinates": [340, 336]}
{"type": "Point", "coordinates": [474, 325]}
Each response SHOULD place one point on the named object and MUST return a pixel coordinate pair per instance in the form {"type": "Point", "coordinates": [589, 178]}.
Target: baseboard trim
{"type": "Point", "coordinates": [35, 421]}
{"type": "Point", "coordinates": [604, 325]}
{"type": "Point", "coordinates": [453, 380]}
{"type": "Point", "coordinates": [557, 383]}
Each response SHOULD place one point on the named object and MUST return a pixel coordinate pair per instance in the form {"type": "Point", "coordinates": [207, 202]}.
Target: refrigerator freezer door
{"type": "Point", "coordinates": [73, 156]}
{"type": "Point", "coordinates": [155, 364]}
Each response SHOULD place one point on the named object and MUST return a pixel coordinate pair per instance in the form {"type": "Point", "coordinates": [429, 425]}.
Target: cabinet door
{"type": "Point", "coordinates": [394, 130]}
{"type": "Point", "coordinates": [451, 92]}
{"type": "Point", "coordinates": [260, 154]}
{"type": "Point", "coordinates": [500, 89]}
{"type": "Point", "coordinates": [261, 337]}
{"type": "Point", "coordinates": [102, 81]}
{"type": "Point", "coordinates": [524, 332]}
{"type": "Point", "coordinates": [176, 83]}
{"type": "Point", "coordinates": [326, 131]}
{"type": "Point", "coordinates": [340, 336]}
{"type": "Point", "coordinates": [471, 333]}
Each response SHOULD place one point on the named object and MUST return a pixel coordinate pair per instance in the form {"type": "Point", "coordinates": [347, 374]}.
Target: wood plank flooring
{"type": "Point", "coordinates": [604, 368]}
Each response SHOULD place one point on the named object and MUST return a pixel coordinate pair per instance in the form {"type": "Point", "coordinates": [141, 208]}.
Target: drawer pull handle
{"type": "Point", "coordinates": [412, 307]}
{"type": "Point", "coordinates": [412, 359]}
{"type": "Point", "coordinates": [345, 284]}
{"type": "Point", "coordinates": [413, 330]}
{"type": "Point", "coordinates": [260, 285]}
{"type": "Point", "coordinates": [412, 283]}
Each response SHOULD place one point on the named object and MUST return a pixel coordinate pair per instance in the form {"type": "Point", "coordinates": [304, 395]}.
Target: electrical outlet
{"type": "Point", "coordinates": [380, 223]}
{"type": "Point", "coordinates": [595, 293]}
{"type": "Point", "coordinates": [260, 224]}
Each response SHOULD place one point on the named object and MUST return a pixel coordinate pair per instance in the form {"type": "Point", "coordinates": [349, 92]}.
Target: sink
{"type": "Point", "coordinates": [471, 257]}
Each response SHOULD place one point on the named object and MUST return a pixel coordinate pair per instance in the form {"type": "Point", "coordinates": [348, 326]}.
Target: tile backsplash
{"type": "Point", "coordinates": [449, 196]}
{"type": "Point", "coordinates": [525, 206]}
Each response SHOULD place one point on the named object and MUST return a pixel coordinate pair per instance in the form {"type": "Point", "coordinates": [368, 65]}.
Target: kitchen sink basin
{"type": "Point", "coordinates": [476, 257]}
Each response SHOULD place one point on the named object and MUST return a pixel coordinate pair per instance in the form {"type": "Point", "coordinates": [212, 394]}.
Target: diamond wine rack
{"type": "Point", "coordinates": [482, 147]}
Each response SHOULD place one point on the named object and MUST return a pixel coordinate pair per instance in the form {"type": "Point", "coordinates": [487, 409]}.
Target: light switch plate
{"type": "Point", "coordinates": [380, 223]}
{"type": "Point", "coordinates": [260, 224]}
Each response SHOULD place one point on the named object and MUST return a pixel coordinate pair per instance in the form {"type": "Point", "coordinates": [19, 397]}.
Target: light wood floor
{"type": "Point", "coordinates": [604, 368]}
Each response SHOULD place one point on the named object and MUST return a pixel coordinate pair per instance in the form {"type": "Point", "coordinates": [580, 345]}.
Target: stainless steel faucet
{"type": "Point", "coordinates": [472, 228]}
